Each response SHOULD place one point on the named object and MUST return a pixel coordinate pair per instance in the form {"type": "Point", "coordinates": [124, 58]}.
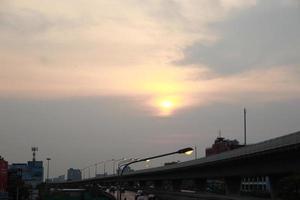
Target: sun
{"type": "Point", "coordinates": [168, 104]}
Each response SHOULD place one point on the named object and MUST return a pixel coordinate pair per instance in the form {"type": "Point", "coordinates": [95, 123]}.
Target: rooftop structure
{"type": "Point", "coordinates": [221, 145]}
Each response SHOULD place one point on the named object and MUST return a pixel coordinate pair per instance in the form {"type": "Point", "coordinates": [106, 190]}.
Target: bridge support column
{"type": "Point", "coordinates": [200, 184]}
{"type": "Point", "coordinates": [130, 184]}
{"type": "Point", "coordinates": [274, 189]}
{"type": "Point", "coordinates": [142, 184]}
{"type": "Point", "coordinates": [176, 185]}
{"type": "Point", "coordinates": [232, 185]}
{"type": "Point", "coordinates": [158, 185]}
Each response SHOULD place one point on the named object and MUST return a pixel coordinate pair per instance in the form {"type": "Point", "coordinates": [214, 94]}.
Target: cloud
{"type": "Point", "coordinates": [263, 35]}
{"type": "Point", "coordinates": [128, 48]}
{"type": "Point", "coordinates": [258, 85]}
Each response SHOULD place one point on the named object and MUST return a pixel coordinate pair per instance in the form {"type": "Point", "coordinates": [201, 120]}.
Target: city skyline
{"type": "Point", "coordinates": [98, 80]}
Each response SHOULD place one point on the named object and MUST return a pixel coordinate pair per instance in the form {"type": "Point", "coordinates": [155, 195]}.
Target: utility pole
{"type": "Point", "coordinates": [104, 168]}
{"type": "Point", "coordinates": [195, 148]}
{"type": "Point", "coordinates": [48, 159]}
{"type": "Point", "coordinates": [245, 126]}
{"type": "Point", "coordinates": [114, 168]}
{"type": "Point", "coordinates": [96, 170]}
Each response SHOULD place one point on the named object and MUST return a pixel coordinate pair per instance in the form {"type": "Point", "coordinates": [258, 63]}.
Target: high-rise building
{"type": "Point", "coordinates": [3, 178]}
{"type": "Point", "coordinates": [73, 174]}
{"type": "Point", "coordinates": [31, 172]}
{"type": "Point", "coordinates": [36, 171]}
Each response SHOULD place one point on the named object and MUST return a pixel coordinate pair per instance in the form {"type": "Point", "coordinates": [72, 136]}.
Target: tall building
{"type": "Point", "coordinates": [21, 170]}
{"type": "Point", "coordinates": [32, 172]}
{"type": "Point", "coordinates": [36, 171]}
{"type": "Point", "coordinates": [73, 174]}
{"type": "Point", "coordinates": [3, 178]}
{"type": "Point", "coordinates": [221, 145]}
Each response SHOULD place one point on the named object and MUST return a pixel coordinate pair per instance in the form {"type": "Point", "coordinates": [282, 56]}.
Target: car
{"type": "Point", "coordinates": [139, 194]}
{"type": "Point", "coordinates": [112, 189]}
{"type": "Point", "coordinates": [122, 190]}
{"type": "Point", "coordinates": [152, 197]}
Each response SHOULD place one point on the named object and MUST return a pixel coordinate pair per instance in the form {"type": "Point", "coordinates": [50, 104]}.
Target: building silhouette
{"type": "Point", "coordinates": [221, 145]}
{"type": "Point", "coordinates": [73, 174]}
{"type": "Point", "coordinates": [3, 178]}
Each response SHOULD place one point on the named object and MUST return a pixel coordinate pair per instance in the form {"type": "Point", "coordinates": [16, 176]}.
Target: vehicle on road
{"type": "Point", "coordinates": [139, 195]}
{"type": "Point", "coordinates": [152, 197]}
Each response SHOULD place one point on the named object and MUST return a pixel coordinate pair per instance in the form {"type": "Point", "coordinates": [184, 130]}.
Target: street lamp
{"type": "Point", "coordinates": [96, 170]}
{"type": "Point", "coordinates": [83, 172]}
{"type": "Point", "coordinates": [48, 159]}
{"type": "Point", "coordinates": [84, 176]}
{"type": "Point", "coordinates": [114, 164]}
{"type": "Point", "coordinates": [104, 166]}
{"type": "Point", "coordinates": [187, 151]}
{"type": "Point", "coordinates": [125, 161]}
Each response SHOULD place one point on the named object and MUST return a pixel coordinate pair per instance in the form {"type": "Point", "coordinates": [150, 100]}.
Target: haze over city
{"type": "Point", "coordinates": [94, 80]}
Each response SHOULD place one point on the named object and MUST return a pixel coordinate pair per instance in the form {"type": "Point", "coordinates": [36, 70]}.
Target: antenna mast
{"type": "Point", "coordinates": [34, 149]}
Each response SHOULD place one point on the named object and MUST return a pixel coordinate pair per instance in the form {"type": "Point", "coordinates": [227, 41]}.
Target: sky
{"type": "Point", "coordinates": [88, 81]}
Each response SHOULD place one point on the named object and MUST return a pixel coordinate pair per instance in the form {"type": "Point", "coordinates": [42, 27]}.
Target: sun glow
{"type": "Point", "coordinates": [166, 106]}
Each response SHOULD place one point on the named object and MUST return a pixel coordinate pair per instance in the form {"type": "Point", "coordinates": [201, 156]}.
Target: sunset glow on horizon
{"type": "Point", "coordinates": [152, 62]}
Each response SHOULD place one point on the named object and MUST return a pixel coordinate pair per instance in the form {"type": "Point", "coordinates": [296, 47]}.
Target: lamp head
{"type": "Point", "coordinates": [187, 151]}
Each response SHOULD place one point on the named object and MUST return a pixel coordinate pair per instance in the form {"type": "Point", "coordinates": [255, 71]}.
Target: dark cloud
{"type": "Point", "coordinates": [264, 35]}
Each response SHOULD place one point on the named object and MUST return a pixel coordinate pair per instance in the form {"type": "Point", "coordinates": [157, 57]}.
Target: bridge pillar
{"type": "Point", "coordinates": [176, 184]}
{"type": "Point", "coordinates": [274, 188]}
{"type": "Point", "coordinates": [130, 184]}
{"type": "Point", "coordinates": [232, 185]}
{"type": "Point", "coordinates": [167, 185]}
{"type": "Point", "coordinates": [158, 184]}
{"type": "Point", "coordinates": [142, 184]}
{"type": "Point", "coordinates": [200, 184]}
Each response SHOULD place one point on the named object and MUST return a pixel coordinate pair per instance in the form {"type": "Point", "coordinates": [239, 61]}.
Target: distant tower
{"type": "Point", "coordinates": [34, 149]}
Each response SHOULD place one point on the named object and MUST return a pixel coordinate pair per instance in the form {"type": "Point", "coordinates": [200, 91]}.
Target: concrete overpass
{"type": "Point", "coordinates": [274, 158]}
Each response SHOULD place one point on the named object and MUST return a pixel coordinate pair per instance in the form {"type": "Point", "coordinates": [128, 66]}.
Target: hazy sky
{"type": "Point", "coordinates": [94, 80]}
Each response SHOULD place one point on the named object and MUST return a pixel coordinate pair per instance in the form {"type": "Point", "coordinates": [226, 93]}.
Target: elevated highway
{"type": "Point", "coordinates": [274, 158]}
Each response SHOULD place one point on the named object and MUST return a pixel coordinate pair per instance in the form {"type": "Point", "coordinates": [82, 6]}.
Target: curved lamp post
{"type": "Point", "coordinates": [125, 161]}
{"type": "Point", "coordinates": [83, 172]}
{"type": "Point", "coordinates": [114, 163]}
{"type": "Point", "coordinates": [187, 151]}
